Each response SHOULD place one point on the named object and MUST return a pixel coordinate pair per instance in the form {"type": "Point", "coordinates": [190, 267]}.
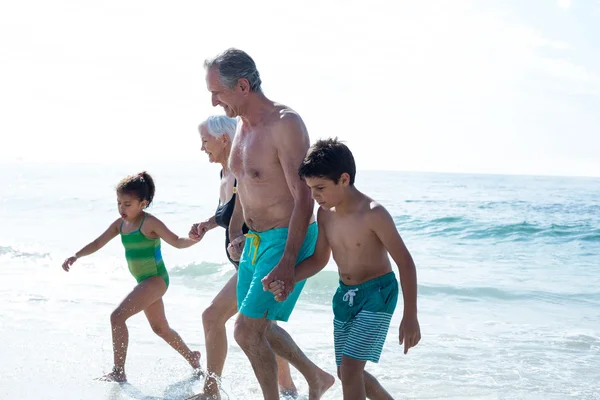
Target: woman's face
{"type": "Point", "coordinates": [215, 147]}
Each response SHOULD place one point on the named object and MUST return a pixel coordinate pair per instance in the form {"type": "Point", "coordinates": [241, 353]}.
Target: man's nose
{"type": "Point", "coordinates": [215, 102]}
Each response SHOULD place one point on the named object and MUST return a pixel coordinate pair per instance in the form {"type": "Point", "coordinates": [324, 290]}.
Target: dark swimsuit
{"type": "Point", "coordinates": [223, 217]}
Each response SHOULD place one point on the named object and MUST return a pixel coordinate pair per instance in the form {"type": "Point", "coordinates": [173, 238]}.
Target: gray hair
{"type": "Point", "coordinates": [216, 125]}
{"type": "Point", "coordinates": [233, 65]}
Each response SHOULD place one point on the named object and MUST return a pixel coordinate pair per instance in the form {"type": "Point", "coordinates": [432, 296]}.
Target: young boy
{"type": "Point", "coordinates": [360, 233]}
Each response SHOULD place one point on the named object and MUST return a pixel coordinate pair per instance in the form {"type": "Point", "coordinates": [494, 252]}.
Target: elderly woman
{"type": "Point", "coordinates": [217, 133]}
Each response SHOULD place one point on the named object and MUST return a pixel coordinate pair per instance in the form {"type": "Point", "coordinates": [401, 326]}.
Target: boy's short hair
{"type": "Point", "coordinates": [328, 158]}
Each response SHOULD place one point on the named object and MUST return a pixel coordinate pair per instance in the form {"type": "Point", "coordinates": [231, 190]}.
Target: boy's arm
{"type": "Point", "coordinates": [100, 241]}
{"type": "Point", "coordinates": [161, 230]}
{"type": "Point", "coordinates": [315, 263]}
{"type": "Point", "coordinates": [385, 229]}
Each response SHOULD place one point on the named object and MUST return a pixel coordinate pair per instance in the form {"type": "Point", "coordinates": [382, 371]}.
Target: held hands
{"type": "Point", "coordinates": [236, 247]}
{"type": "Point", "coordinates": [277, 288]}
{"type": "Point", "coordinates": [68, 262]}
{"type": "Point", "coordinates": [283, 274]}
{"type": "Point", "coordinates": [410, 332]}
{"type": "Point", "coordinates": [198, 230]}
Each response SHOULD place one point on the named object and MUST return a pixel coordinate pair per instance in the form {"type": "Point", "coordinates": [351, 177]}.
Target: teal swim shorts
{"type": "Point", "coordinates": [362, 316]}
{"type": "Point", "coordinates": [262, 252]}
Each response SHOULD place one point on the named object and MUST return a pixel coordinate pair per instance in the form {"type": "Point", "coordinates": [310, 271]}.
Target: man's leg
{"type": "Point", "coordinates": [282, 343]}
{"type": "Point", "coordinates": [250, 333]}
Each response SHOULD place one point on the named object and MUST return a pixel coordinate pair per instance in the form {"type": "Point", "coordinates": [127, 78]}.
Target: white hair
{"type": "Point", "coordinates": [216, 125]}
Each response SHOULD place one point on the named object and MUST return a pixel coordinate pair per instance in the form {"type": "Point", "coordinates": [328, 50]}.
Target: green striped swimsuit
{"type": "Point", "coordinates": [143, 255]}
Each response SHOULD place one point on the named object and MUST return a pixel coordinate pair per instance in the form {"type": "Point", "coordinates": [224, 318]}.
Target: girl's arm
{"type": "Point", "coordinates": [161, 230]}
{"type": "Point", "coordinates": [100, 241]}
{"type": "Point", "coordinates": [94, 246]}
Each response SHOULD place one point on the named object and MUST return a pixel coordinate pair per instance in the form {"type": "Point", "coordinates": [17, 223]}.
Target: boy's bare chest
{"type": "Point", "coordinates": [349, 234]}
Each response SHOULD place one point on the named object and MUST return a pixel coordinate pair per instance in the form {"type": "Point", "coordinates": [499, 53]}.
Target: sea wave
{"type": "Point", "coordinates": [471, 229]}
{"type": "Point", "coordinates": [11, 252]}
{"type": "Point", "coordinates": [321, 287]}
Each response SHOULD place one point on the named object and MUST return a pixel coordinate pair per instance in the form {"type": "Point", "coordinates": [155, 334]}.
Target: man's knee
{"type": "Point", "coordinates": [247, 333]}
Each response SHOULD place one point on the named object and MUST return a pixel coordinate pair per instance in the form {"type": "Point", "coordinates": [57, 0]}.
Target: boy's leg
{"type": "Point", "coordinates": [155, 314]}
{"type": "Point", "coordinates": [352, 376]}
{"type": "Point", "coordinates": [142, 296]}
{"type": "Point", "coordinates": [374, 390]}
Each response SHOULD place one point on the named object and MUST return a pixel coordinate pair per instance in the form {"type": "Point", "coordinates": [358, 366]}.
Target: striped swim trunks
{"type": "Point", "coordinates": [362, 316]}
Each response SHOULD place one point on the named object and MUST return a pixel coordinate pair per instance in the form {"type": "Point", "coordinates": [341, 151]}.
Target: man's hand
{"type": "Point", "coordinates": [236, 247]}
{"type": "Point", "coordinates": [410, 332]}
{"type": "Point", "coordinates": [284, 272]}
{"type": "Point", "coordinates": [277, 288]}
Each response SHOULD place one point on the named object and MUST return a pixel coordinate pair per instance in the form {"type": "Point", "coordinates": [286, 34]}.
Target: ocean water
{"type": "Point", "coordinates": [508, 270]}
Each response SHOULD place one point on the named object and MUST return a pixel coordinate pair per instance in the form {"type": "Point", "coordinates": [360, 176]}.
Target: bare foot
{"type": "Point", "coordinates": [211, 388]}
{"type": "Point", "coordinates": [195, 361]}
{"type": "Point", "coordinates": [287, 387]}
{"type": "Point", "coordinates": [203, 396]}
{"type": "Point", "coordinates": [320, 385]}
{"type": "Point", "coordinates": [114, 376]}
{"type": "Point", "coordinates": [291, 393]}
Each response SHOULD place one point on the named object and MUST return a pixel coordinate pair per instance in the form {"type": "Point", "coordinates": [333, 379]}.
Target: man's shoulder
{"type": "Point", "coordinates": [285, 118]}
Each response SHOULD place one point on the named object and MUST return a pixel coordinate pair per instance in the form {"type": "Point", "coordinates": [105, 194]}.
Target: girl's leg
{"type": "Point", "coordinates": [142, 296]}
{"type": "Point", "coordinates": [158, 322]}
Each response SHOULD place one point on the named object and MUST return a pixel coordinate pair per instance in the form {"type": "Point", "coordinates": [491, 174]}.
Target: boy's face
{"type": "Point", "coordinates": [326, 192]}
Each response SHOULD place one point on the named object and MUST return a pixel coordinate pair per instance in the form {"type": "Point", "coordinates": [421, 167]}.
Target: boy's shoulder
{"type": "Point", "coordinates": [370, 207]}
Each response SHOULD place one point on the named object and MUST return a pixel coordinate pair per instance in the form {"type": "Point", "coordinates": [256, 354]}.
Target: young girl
{"type": "Point", "coordinates": [141, 235]}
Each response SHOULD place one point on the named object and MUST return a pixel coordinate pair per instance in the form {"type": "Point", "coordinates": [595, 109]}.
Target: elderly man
{"type": "Point", "coordinates": [270, 143]}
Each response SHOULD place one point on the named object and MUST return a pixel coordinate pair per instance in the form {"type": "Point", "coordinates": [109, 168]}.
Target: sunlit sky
{"type": "Point", "coordinates": [495, 86]}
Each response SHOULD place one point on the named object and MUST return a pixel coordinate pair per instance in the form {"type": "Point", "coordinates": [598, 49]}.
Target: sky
{"type": "Point", "coordinates": [501, 86]}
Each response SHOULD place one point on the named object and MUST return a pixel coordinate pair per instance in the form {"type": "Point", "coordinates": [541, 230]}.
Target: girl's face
{"type": "Point", "coordinates": [130, 207]}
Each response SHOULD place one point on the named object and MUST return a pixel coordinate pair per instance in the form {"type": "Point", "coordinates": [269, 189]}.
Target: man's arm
{"type": "Point", "coordinates": [311, 265]}
{"type": "Point", "coordinates": [292, 143]}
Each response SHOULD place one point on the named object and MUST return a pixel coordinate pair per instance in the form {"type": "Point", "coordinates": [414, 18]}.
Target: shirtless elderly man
{"type": "Point", "coordinates": [270, 143]}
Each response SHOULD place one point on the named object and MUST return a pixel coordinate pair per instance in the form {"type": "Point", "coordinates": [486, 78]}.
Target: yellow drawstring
{"type": "Point", "coordinates": [254, 244]}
